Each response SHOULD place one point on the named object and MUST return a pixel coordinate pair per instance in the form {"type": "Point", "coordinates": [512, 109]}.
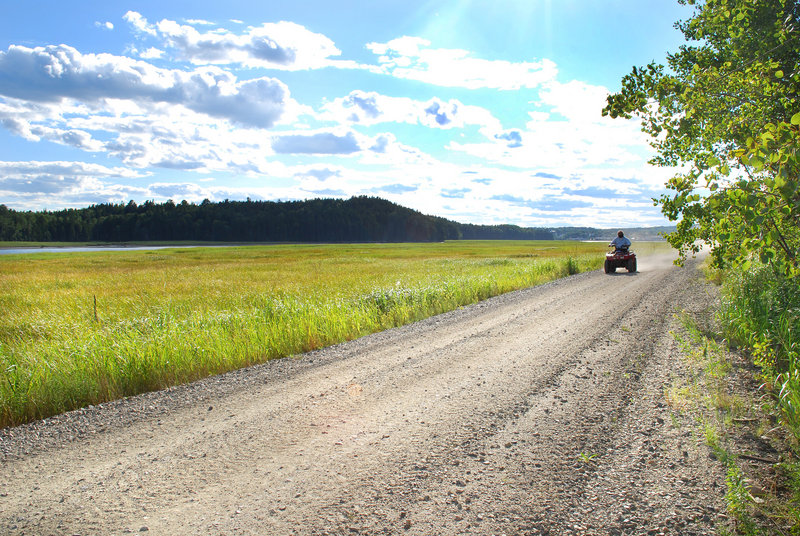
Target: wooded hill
{"type": "Point", "coordinates": [359, 219]}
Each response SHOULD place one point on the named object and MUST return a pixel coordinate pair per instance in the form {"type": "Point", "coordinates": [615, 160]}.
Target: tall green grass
{"type": "Point", "coordinates": [83, 328]}
{"type": "Point", "coordinates": [760, 311]}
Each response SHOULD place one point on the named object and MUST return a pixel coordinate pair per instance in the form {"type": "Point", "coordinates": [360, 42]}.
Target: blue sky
{"type": "Point", "coordinates": [475, 110]}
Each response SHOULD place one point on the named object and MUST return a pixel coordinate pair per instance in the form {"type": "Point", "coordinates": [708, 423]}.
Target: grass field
{"type": "Point", "coordinates": [83, 328]}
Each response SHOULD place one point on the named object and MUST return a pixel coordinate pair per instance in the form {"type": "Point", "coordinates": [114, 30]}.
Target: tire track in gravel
{"type": "Point", "coordinates": [536, 412]}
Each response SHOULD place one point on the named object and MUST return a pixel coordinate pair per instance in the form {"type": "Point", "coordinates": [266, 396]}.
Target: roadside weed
{"type": "Point", "coordinates": [729, 421]}
{"type": "Point", "coordinates": [739, 500]}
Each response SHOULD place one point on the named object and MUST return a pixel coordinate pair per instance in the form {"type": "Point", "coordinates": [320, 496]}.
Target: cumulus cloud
{"type": "Point", "coordinates": [371, 108]}
{"type": "Point", "coordinates": [381, 144]}
{"type": "Point", "coordinates": [73, 137]}
{"type": "Point", "coordinates": [37, 185]}
{"type": "Point", "coordinates": [455, 193]}
{"type": "Point", "coordinates": [320, 174]}
{"type": "Point", "coordinates": [34, 180]}
{"type": "Point", "coordinates": [342, 143]}
{"type": "Point", "coordinates": [41, 184]}
{"type": "Point", "coordinates": [317, 143]}
{"type": "Point", "coordinates": [513, 137]}
{"type": "Point", "coordinates": [280, 45]}
{"type": "Point", "coordinates": [440, 113]}
{"type": "Point", "coordinates": [413, 58]}
{"type": "Point", "coordinates": [156, 135]}
{"type": "Point", "coordinates": [185, 190]}
{"type": "Point", "coordinates": [558, 203]}
{"type": "Point", "coordinates": [139, 23]}
{"type": "Point", "coordinates": [151, 53]}
{"type": "Point", "coordinates": [83, 169]}
{"type": "Point", "coordinates": [575, 100]}
{"type": "Point", "coordinates": [104, 25]}
{"type": "Point", "coordinates": [361, 105]}
{"type": "Point", "coordinates": [595, 191]}
{"type": "Point", "coordinates": [199, 22]}
{"type": "Point", "coordinates": [566, 133]}
{"type": "Point", "coordinates": [395, 189]}
{"type": "Point", "coordinates": [328, 192]}
{"type": "Point", "coordinates": [53, 73]}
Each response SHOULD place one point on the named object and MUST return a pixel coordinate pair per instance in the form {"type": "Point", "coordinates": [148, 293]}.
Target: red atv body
{"type": "Point", "coordinates": [621, 258]}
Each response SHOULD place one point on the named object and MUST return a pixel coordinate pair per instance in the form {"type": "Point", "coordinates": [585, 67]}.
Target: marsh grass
{"type": "Point", "coordinates": [84, 328]}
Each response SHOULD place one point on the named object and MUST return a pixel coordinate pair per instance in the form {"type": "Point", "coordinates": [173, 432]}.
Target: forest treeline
{"type": "Point", "coordinates": [359, 219]}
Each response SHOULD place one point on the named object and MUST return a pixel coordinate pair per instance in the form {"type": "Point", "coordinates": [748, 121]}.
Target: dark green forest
{"type": "Point", "coordinates": [359, 219]}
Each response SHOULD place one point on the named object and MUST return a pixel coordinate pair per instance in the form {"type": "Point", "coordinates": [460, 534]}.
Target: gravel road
{"type": "Point", "coordinates": [538, 412]}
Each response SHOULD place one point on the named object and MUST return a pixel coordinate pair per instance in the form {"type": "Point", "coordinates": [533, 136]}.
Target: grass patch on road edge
{"type": "Point", "coordinates": [738, 420]}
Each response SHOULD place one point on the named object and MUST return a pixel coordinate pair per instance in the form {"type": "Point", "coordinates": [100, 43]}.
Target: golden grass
{"type": "Point", "coordinates": [164, 317]}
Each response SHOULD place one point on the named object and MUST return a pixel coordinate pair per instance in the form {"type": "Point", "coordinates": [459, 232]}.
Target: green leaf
{"type": "Point", "coordinates": [778, 74]}
{"type": "Point", "coordinates": [756, 161]}
{"type": "Point", "coordinates": [796, 119]}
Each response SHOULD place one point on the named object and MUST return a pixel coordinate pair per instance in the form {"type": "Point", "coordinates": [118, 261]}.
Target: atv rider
{"type": "Point", "coordinates": [620, 243]}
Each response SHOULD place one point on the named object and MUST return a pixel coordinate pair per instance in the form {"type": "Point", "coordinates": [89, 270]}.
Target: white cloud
{"type": "Point", "coordinates": [155, 135]}
{"type": "Point", "coordinates": [280, 45]}
{"type": "Point", "coordinates": [139, 23]}
{"type": "Point", "coordinates": [77, 138]}
{"type": "Point", "coordinates": [199, 22]}
{"type": "Point", "coordinates": [321, 174]}
{"type": "Point", "coordinates": [151, 53]}
{"type": "Point", "coordinates": [370, 108]}
{"type": "Point", "coordinates": [57, 168]}
{"type": "Point", "coordinates": [317, 143]}
{"type": "Point", "coordinates": [52, 73]}
{"type": "Point", "coordinates": [577, 101]}
{"type": "Point", "coordinates": [56, 185]}
{"type": "Point", "coordinates": [380, 149]}
{"type": "Point", "coordinates": [104, 25]}
{"type": "Point", "coordinates": [36, 184]}
{"type": "Point", "coordinates": [412, 58]}
{"type": "Point", "coordinates": [178, 191]}
{"type": "Point", "coordinates": [566, 133]}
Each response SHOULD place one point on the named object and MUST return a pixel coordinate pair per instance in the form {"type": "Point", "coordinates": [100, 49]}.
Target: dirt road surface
{"type": "Point", "coordinates": [538, 412]}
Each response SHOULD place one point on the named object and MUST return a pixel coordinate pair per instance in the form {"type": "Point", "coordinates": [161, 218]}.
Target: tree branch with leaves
{"type": "Point", "coordinates": [725, 110]}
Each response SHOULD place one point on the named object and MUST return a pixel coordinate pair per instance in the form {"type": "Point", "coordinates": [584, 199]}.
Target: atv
{"type": "Point", "coordinates": [620, 258]}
